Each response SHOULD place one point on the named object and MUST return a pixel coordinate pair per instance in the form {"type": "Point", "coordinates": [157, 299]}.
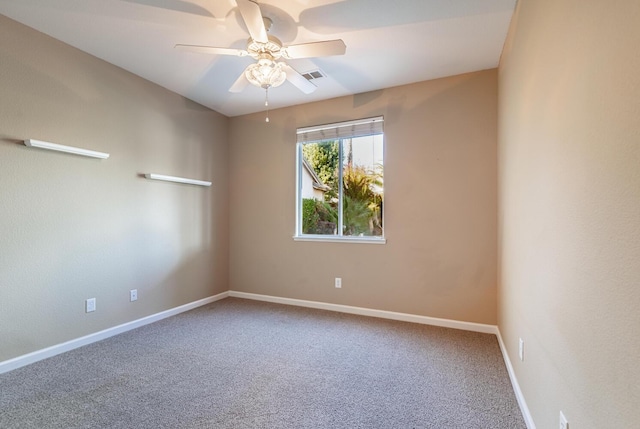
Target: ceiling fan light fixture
{"type": "Point", "coordinates": [266, 73]}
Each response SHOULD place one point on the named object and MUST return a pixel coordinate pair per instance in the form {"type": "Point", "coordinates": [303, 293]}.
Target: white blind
{"type": "Point", "coordinates": [341, 130]}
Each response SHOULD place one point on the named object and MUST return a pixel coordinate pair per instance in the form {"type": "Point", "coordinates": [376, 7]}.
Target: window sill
{"type": "Point", "coordinates": [336, 239]}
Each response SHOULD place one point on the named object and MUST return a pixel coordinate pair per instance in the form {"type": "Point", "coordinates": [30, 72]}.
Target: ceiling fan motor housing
{"type": "Point", "coordinates": [272, 47]}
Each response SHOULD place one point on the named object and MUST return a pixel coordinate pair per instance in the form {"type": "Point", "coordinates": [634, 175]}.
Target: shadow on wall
{"type": "Point", "coordinates": [4, 139]}
{"type": "Point", "coordinates": [199, 275]}
{"type": "Point", "coordinates": [360, 100]}
{"type": "Point", "coordinates": [65, 240]}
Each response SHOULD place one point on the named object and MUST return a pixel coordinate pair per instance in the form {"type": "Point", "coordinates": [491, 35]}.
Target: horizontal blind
{"type": "Point", "coordinates": [341, 130]}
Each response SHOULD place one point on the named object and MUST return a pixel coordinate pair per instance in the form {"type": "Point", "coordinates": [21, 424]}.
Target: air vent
{"type": "Point", "coordinates": [314, 74]}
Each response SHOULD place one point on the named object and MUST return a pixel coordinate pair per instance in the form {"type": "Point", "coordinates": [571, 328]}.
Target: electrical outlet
{"type": "Point", "coordinates": [133, 295]}
{"type": "Point", "coordinates": [338, 282]}
{"type": "Point", "coordinates": [564, 424]}
{"type": "Point", "coordinates": [90, 305]}
{"type": "Point", "coordinates": [521, 349]}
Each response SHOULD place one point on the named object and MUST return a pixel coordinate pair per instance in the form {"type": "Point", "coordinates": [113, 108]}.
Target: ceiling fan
{"type": "Point", "coordinates": [268, 72]}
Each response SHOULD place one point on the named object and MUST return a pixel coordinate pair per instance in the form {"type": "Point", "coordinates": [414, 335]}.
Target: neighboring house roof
{"type": "Point", "coordinates": [317, 183]}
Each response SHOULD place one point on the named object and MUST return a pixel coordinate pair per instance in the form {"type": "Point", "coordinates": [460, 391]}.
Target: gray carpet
{"type": "Point", "coordinates": [245, 364]}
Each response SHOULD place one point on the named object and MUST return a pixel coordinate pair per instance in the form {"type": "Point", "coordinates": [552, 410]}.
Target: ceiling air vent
{"type": "Point", "coordinates": [314, 74]}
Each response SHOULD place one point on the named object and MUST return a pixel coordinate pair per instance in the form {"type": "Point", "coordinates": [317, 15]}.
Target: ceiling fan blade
{"type": "Point", "coordinates": [177, 5]}
{"type": "Point", "coordinates": [315, 49]}
{"type": "Point", "coordinates": [252, 17]}
{"type": "Point", "coordinates": [240, 84]}
{"type": "Point", "coordinates": [298, 80]}
{"type": "Point", "coordinates": [212, 50]}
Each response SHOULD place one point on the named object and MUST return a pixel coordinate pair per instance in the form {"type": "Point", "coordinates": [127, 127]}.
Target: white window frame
{"type": "Point", "coordinates": [337, 131]}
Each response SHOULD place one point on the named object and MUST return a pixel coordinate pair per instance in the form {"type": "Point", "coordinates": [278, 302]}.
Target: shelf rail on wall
{"type": "Point", "coordinates": [68, 149]}
{"type": "Point", "coordinates": [154, 176]}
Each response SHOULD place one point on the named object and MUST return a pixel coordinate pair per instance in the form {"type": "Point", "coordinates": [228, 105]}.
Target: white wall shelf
{"type": "Point", "coordinates": [68, 149]}
{"type": "Point", "coordinates": [165, 178]}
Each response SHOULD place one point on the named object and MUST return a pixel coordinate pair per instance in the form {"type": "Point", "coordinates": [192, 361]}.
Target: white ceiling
{"type": "Point", "coordinates": [389, 42]}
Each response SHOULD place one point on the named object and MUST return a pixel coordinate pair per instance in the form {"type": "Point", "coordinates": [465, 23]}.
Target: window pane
{"type": "Point", "coordinates": [363, 186]}
{"type": "Point", "coordinates": [340, 179]}
{"type": "Point", "coordinates": [320, 186]}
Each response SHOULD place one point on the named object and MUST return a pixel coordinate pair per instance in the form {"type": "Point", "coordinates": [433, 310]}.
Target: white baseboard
{"type": "Point", "coordinates": [516, 386]}
{"type": "Point", "coordinates": [404, 317]}
{"type": "Point", "coordinates": [29, 358]}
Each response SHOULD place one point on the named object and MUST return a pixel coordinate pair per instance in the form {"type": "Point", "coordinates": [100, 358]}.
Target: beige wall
{"type": "Point", "coordinates": [569, 211]}
{"type": "Point", "coordinates": [440, 204]}
{"type": "Point", "coordinates": [72, 227]}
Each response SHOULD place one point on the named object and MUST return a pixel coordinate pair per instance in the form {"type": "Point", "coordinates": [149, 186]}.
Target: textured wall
{"type": "Point", "coordinates": [569, 216]}
{"type": "Point", "coordinates": [440, 204]}
{"type": "Point", "coordinates": [72, 227]}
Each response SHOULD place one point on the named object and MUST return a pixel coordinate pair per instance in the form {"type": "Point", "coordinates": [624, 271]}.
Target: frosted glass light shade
{"type": "Point", "coordinates": [266, 74]}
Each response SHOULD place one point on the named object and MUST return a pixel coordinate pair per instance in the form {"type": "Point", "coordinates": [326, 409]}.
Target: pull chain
{"type": "Point", "coordinates": [266, 102]}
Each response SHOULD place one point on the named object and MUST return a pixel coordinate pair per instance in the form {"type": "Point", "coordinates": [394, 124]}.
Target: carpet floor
{"type": "Point", "coordinates": [245, 364]}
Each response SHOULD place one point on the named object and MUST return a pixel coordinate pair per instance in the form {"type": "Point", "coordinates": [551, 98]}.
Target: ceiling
{"type": "Point", "coordinates": [389, 42]}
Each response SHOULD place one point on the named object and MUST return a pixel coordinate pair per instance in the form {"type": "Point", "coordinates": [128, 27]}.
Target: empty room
{"type": "Point", "coordinates": [319, 214]}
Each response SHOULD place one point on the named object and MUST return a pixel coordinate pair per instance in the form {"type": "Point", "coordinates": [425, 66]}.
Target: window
{"type": "Point", "coordinates": [340, 182]}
